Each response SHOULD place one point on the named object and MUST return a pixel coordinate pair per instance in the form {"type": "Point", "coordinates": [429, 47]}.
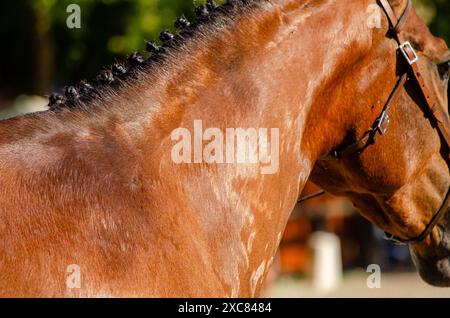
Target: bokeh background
{"type": "Point", "coordinates": [327, 246]}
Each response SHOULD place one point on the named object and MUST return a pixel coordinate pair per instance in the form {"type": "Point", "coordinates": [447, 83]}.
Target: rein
{"type": "Point", "coordinates": [380, 126]}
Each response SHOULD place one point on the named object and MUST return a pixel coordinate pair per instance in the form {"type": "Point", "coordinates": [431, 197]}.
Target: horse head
{"type": "Point", "coordinates": [400, 181]}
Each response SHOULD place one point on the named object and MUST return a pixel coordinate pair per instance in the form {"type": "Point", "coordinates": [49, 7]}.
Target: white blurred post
{"type": "Point", "coordinates": [327, 261]}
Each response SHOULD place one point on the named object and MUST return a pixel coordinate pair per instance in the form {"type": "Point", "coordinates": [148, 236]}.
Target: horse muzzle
{"type": "Point", "coordinates": [435, 269]}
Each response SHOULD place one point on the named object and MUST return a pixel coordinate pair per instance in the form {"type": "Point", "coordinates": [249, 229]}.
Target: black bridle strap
{"type": "Point", "coordinates": [434, 221]}
{"type": "Point", "coordinates": [311, 196]}
{"type": "Point", "coordinates": [396, 24]}
{"type": "Point", "coordinates": [404, 17]}
{"type": "Point", "coordinates": [379, 127]}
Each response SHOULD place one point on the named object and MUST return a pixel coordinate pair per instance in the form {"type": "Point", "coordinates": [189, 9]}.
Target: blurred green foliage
{"type": "Point", "coordinates": [39, 51]}
{"type": "Point", "coordinates": [110, 29]}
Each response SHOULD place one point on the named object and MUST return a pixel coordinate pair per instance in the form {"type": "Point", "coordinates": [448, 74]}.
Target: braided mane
{"type": "Point", "coordinates": [117, 75]}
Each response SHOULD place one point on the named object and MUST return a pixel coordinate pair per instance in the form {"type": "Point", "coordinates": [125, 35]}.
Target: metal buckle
{"type": "Point", "coordinates": [382, 123]}
{"type": "Point", "coordinates": [408, 46]}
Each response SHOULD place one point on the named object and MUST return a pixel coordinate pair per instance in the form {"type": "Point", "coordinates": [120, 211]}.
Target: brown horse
{"type": "Point", "coordinates": [92, 202]}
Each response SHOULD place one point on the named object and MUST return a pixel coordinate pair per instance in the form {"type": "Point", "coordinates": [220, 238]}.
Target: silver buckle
{"type": "Point", "coordinates": [382, 123]}
{"type": "Point", "coordinates": [408, 46]}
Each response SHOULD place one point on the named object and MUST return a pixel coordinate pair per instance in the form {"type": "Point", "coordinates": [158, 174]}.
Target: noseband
{"type": "Point", "coordinates": [438, 118]}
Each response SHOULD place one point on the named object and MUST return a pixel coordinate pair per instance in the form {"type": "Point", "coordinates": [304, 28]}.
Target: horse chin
{"type": "Point", "coordinates": [435, 270]}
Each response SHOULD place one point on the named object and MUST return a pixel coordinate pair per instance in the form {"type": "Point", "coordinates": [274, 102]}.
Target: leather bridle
{"type": "Point", "coordinates": [437, 117]}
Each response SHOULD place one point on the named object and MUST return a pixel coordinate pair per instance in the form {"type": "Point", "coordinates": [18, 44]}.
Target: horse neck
{"type": "Point", "coordinates": [267, 71]}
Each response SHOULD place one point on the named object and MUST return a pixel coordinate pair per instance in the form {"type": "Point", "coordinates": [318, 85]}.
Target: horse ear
{"type": "Point", "coordinates": [398, 6]}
